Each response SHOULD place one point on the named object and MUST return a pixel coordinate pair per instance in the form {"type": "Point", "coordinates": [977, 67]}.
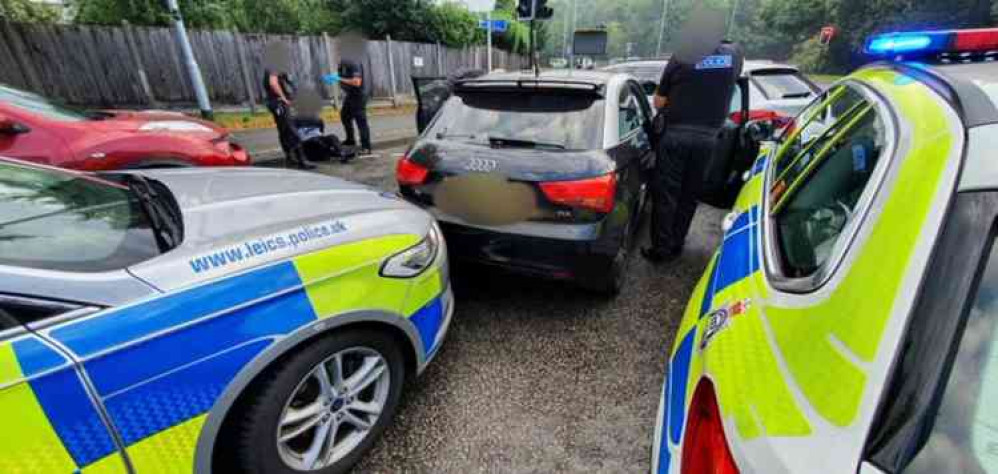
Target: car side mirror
{"type": "Point", "coordinates": [9, 127]}
{"type": "Point", "coordinates": [650, 87]}
{"type": "Point", "coordinates": [760, 130]}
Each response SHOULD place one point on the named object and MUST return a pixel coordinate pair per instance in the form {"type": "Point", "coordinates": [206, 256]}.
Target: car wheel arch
{"type": "Point", "coordinates": [398, 327]}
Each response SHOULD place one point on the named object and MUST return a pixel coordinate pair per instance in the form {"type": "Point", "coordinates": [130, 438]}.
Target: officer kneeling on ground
{"type": "Point", "coordinates": [695, 97]}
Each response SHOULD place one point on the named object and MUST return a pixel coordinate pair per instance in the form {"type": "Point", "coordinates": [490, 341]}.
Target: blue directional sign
{"type": "Point", "coordinates": [498, 26]}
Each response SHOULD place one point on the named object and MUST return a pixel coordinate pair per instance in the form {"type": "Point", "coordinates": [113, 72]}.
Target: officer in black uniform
{"type": "Point", "coordinates": [695, 98]}
{"type": "Point", "coordinates": [353, 83]}
{"type": "Point", "coordinates": [280, 91]}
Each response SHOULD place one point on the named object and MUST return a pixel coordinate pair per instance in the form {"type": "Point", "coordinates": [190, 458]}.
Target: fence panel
{"type": "Point", "coordinates": [99, 66]}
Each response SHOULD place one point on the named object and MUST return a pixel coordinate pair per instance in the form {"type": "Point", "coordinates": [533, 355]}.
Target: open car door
{"type": "Point", "coordinates": [737, 148]}
{"type": "Point", "coordinates": [432, 93]}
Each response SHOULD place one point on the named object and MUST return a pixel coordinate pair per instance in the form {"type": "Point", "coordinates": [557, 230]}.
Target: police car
{"type": "Point", "coordinates": [847, 324]}
{"type": "Point", "coordinates": [257, 321]}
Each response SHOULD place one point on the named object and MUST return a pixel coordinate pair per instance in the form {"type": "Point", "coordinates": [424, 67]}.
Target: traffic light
{"type": "Point", "coordinates": [525, 10]}
{"type": "Point", "coordinates": [534, 10]}
{"type": "Point", "coordinates": [543, 11]}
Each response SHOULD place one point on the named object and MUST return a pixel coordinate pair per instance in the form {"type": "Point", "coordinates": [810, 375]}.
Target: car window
{"type": "Point", "coordinates": [60, 221]}
{"type": "Point", "coordinates": [629, 116]}
{"type": "Point", "coordinates": [964, 435]}
{"type": "Point", "coordinates": [816, 196]}
{"type": "Point", "coordinates": [572, 120]}
{"type": "Point", "coordinates": [813, 122]}
{"type": "Point", "coordinates": [782, 85]}
{"type": "Point", "coordinates": [37, 104]}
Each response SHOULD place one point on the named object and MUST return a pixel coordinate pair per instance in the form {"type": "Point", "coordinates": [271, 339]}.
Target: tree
{"type": "Point", "coordinates": [27, 11]}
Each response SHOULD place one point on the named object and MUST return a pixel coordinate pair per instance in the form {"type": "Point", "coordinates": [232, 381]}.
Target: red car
{"type": "Point", "coordinates": [36, 129]}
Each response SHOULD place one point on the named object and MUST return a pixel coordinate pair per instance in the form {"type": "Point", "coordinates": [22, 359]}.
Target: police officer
{"type": "Point", "coordinates": [695, 96]}
{"type": "Point", "coordinates": [280, 91]}
{"type": "Point", "coordinates": [353, 83]}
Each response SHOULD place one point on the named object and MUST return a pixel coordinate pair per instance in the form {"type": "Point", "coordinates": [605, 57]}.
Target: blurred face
{"type": "Point", "coordinates": [700, 35]}
{"type": "Point", "coordinates": [277, 57]}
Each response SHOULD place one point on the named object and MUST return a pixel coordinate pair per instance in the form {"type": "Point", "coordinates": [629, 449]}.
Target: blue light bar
{"type": "Point", "coordinates": [909, 44]}
{"type": "Point", "coordinates": [899, 44]}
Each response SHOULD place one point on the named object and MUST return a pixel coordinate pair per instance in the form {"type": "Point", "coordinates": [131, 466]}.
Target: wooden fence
{"type": "Point", "coordinates": [140, 66]}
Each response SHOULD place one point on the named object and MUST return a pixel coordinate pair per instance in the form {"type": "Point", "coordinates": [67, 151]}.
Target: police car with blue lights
{"type": "Point", "coordinates": [848, 323]}
{"type": "Point", "coordinates": [198, 320]}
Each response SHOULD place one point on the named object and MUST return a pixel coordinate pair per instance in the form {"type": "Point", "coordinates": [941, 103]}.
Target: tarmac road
{"type": "Point", "coordinates": [537, 376]}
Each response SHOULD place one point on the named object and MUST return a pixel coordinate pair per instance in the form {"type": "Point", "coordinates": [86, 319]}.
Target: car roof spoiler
{"type": "Point", "coordinates": [531, 83]}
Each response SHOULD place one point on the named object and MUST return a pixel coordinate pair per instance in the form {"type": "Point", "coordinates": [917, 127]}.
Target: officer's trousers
{"type": "Point", "coordinates": [676, 183]}
{"type": "Point", "coordinates": [356, 111]}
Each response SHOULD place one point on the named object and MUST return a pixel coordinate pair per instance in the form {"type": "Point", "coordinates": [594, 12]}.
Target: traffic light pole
{"type": "Point", "coordinates": [488, 21]}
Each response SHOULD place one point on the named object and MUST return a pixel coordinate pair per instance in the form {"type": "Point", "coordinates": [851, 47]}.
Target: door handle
{"type": "Point", "coordinates": [729, 221]}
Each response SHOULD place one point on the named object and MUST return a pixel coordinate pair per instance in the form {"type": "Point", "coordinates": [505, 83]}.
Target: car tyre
{"type": "Point", "coordinates": [615, 277]}
{"type": "Point", "coordinates": [293, 412]}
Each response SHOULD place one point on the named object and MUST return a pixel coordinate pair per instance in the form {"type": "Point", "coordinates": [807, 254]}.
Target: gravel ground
{"type": "Point", "coordinates": [537, 376]}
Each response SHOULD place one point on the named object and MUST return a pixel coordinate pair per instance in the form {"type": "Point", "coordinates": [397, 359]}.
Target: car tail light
{"type": "Point", "coordinates": [596, 194]}
{"type": "Point", "coordinates": [410, 173]}
{"type": "Point", "coordinates": [705, 451]}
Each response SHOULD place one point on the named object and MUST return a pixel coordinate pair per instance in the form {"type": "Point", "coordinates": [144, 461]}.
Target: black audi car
{"type": "Point", "coordinates": [545, 175]}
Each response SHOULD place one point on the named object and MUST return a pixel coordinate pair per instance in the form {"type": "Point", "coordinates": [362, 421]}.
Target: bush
{"type": "Point", "coordinates": [813, 57]}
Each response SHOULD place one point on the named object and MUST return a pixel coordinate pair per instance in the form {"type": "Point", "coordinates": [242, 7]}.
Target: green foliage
{"type": "Point", "coordinates": [811, 56]}
{"type": "Point", "coordinates": [404, 20]}
{"type": "Point", "coordinates": [257, 16]}
{"type": "Point", "coordinates": [27, 11]}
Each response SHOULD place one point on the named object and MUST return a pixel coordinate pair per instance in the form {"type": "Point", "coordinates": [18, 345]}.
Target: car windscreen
{"type": "Point", "coordinates": [564, 119]}
{"type": "Point", "coordinates": [982, 74]}
{"type": "Point", "coordinates": [59, 221]}
{"type": "Point", "coordinates": [779, 84]}
{"type": "Point", "coordinates": [37, 104]}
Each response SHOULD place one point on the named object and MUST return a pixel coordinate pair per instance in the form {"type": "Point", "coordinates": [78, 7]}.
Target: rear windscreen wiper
{"type": "Point", "coordinates": [443, 135]}
{"type": "Point", "coordinates": [520, 143]}
{"type": "Point", "coordinates": [163, 219]}
{"type": "Point", "coordinates": [797, 95]}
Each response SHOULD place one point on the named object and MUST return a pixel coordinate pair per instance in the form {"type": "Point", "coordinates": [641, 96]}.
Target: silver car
{"type": "Point", "coordinates": [776, 91]}
{"type": "Point", "coordinates": [249, 320]}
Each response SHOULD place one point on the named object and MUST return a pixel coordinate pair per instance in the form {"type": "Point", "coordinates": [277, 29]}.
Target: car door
{"type": "Point", "coordinates": [734, 152]}
{"type": "Point", "coordinates": [633, 153]}
{"type": "Point", "coordinates": [431, 93]}
{"type": "Point", "coordinates": [52, 420]}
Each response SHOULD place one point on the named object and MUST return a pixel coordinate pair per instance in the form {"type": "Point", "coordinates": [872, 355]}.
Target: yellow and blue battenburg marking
{"type": "Point", "coordinates": [158, 367]}
{"type": "Point", "coordinates": [737, 260]}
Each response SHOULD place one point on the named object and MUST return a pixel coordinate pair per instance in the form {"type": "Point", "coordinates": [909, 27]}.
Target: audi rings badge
{"type": "Point", "coordinates": [481, 165]}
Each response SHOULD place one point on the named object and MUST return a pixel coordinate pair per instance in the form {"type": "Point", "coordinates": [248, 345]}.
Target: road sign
{"type": "Point", "coordinates": [480, 6]}
{"type": "Point", "coordinates": [498, 26]}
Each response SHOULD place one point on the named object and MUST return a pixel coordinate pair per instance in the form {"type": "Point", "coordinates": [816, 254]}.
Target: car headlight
{"type": "Point", "coordinates": [414, 260]}
{"type": "Point", "coordinates": [174, 126]}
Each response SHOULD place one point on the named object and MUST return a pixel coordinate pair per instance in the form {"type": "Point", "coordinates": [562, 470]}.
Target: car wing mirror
{"type": "Point", "coordinates": [650, 87]}
{"type": "Point", "coordinates": [10, 127]}
{"type": "Point", "coordinates": [760, 130]}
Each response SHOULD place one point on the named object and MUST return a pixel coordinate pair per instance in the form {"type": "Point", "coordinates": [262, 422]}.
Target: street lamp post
{"type": "Point", "coordinates": [575, 19]}
{"type": "Point", "coordinates": [193, 70]}
{"type": "Point", "coordinates": [661, 27]}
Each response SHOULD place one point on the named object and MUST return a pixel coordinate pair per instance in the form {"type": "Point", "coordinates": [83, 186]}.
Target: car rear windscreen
{"type": "Point", "coordinates": [565, 119]}
{"type": "Point", "coordinates": [964, 437]}
{"type": "Point", "coordinates": [982, 74]}
{"type": "Point", "coordinates": [783, 85]}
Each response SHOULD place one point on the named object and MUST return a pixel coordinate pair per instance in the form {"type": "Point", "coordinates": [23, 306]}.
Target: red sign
{"type": "Point", "coordinates": [827, 33]}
